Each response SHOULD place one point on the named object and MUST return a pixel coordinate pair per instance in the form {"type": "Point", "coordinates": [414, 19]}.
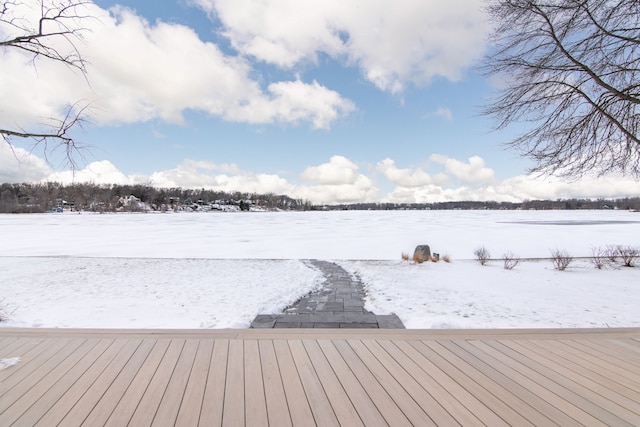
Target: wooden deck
{"type": "Point", "coordinates": [321, 377]}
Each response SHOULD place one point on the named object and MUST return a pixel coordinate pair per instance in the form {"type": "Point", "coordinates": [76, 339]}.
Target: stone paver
{"type": "Point", "coordinates": [339, 304]}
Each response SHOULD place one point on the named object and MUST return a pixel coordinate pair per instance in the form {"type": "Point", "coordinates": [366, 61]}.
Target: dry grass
{"type": "Point", "coordinates": [405, 256]}
{"type": "Point", "coordinates": [446, 258]}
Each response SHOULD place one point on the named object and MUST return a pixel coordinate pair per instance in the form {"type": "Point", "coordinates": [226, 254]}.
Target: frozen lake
{"type": "Point", "coordinates": [362, 235]}
{"type": "Point", "coordinates": [218, 270]}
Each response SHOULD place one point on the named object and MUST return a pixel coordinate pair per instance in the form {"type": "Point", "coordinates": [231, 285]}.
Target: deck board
{"type": "Point", "coordinates": [191, 406]}
{"type": "Point", "coordinates": [320, 377]}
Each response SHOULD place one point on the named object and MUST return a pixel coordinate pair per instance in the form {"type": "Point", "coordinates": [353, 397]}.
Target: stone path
{"type": "Point", "coordinates": [340, 304]}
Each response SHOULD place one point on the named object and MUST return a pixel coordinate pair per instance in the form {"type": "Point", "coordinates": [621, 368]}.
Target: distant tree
{"type": "Point", "coordinates": [571, 72]}
{"type": "Point", "coordinates": [54, 35]}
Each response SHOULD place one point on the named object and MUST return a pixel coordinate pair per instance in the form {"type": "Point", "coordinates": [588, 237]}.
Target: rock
{"type": "Point", "coordinates": [422, 252]}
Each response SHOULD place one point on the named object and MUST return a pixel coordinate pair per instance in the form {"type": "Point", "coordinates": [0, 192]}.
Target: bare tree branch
{"type": "Point", "coordinates": [54, 35]}
{"type": "Point", "coordinates": [572, 75]}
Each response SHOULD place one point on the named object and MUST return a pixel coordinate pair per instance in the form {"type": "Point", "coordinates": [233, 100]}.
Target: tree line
{"type": "Point", "coordinates": [44, 197]}
{"type": "Point", "coordinates": [50, 196]}
{"type": "Point", "coordinates": [628, 203]}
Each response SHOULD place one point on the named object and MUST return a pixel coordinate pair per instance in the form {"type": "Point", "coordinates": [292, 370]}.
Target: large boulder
{"type": "Point", "coordinates": [422, 252]}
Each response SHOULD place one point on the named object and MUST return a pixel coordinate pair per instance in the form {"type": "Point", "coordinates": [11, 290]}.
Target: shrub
{"type": "Point", "coordinates": [611, 252]}
{"type": "Point", "coordinates": [560, 259]}
{"type": "Point", "coordinates": [629, 254]}
{"type": "Point", "coordinates": [446, 258]}
{"type": "Point", "coordinates": [599, 257]}
{"type": "Point", "coordinates": [405, 256]}
{"type": "Point", "coordinates": [482, 255]}
{"type": "Point", "coordinates": [510, 260]}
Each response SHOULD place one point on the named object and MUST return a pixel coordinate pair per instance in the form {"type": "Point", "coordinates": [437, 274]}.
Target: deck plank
{"type": "Point", "coordinates": [94, 395]}
{"type": "Point", "coordinates": [234, 395]}
{"type": "Point", "coordinates": [511, 392]}
{"type": "Point", "coordinates": [467, 403]}
{"type": "Point", "coordinates": [123, 411]}
{"type": "Point", "coordinates": [149, 405]}
{"type": "Point", "coordinates": [72, 395]}
{"type": "Point", "coordinates": [583, 391]}
{"type": "Point", "coordinates": [392, 400]}
{"type": "Point", "coordinates": [340, 402]}
{"type": "Point", "coordinates": [561, 411]}
{"type": "Point", "coordinates": [275, 398]}
{"type": "Point", "coordinates": [103, 409]}
{"type": "Point", "coordinates": [318, 401]}
{"type": "Point", "coordinates": [191, 406]}
{"type": "Point", "coordinates": [580, 401]}
{"type": "Point", "coordinates": [173, 396]}
{"type": "Point", "coordinates": [330, 377]}
{"type": "Point", "coordinates": [580, 368]}
{"type": "Point", "coordinates": [479, 386]}
{"type": "Point", "coordinates": [213, 400]}
{"type": "Point", "coordinates": [48, 392]}
{"type": "Point", "coordinates": [62, 359]}
{"type": "Point", "coordinates": [364, 405]}
{"type": "Point", "coordinates": [30, 361]}
{"type": "Point", "coordinates": [595, 363]}
{"type": "Point", "coordinates": [297, 400]}
{"type": "Point", "coordinates": [255, 401]}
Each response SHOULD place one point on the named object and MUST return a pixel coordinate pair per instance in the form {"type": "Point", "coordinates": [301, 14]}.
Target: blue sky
{"type": "Point", "coordinates": [333, 101]}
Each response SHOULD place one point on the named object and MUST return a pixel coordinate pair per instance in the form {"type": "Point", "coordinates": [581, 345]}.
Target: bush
{"type": "Point", "coordinates": [611, 252]}
{"type": "Point", "coordinates": [482, 255]}
{"type": "Point", "coordinates": [405, 256]}
{"type": "Point", "coordinates": [510, 260]}
{"type": "Point", "coordinates": [446, 258]}
{"type": "Point", "coordinates": [629, 254]}
{"type": "Point", "coordinates": [560, 259]}
{"type": "Point", "coordinates": [599, 257]}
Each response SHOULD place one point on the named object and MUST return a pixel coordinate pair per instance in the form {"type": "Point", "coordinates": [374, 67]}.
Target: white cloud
{"type": "Point", "coordinates": [407, 177]}
{"type": "Point", "coordinates": [19, 165]}
{"type": "Point", "coordinates": [442, 113]}
{"type": "Point", "coordinates": [99, 172]}
{"type": "Point", "coordinates": [194, 174]}
{"type": "Point", "coordinates": [139, 71]}
{"type": "Point", "coordinates": [473, 173]}
{"type": "Point", "coordinates": [393, 44]}
{"type": "Point", "coordinates": [338, 171]}
{"type": "Point", "coordinates": [362, 189]}
{"type": "Point", "coordinates": [337, 181]}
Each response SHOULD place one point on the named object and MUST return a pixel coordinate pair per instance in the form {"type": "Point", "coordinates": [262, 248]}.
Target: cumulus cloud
{"type": "Point", "coordinates": [473, 172]}
{"type": "Point", "coordinates": [338, 171]}
{"type": "Point", "coordinates": [408, 41]}
{"type": "Point", "coordinates": [229, 178]}
{"type": "Point", "coordinates": [139, 71]}
{"type": "Point", "coordinates": [408, 177]}
{"type": "Point", "coordinates": [362, 189]}
{"type": "Point", "coordinates": [337, 181]}
{"type": "Point", "coordinates": [19, 165]}
{"type": "Point", "coordinates": [99, 172]}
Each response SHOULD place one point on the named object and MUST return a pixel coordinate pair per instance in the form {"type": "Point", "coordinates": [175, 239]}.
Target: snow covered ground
{"type": "Point", "coordinates": [218, 270]}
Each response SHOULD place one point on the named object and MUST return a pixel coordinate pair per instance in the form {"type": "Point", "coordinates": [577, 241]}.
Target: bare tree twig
{"type": "Point", "coordinates": [572, 71]}
{"type": "Point", "coordinates": [54, 36]}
